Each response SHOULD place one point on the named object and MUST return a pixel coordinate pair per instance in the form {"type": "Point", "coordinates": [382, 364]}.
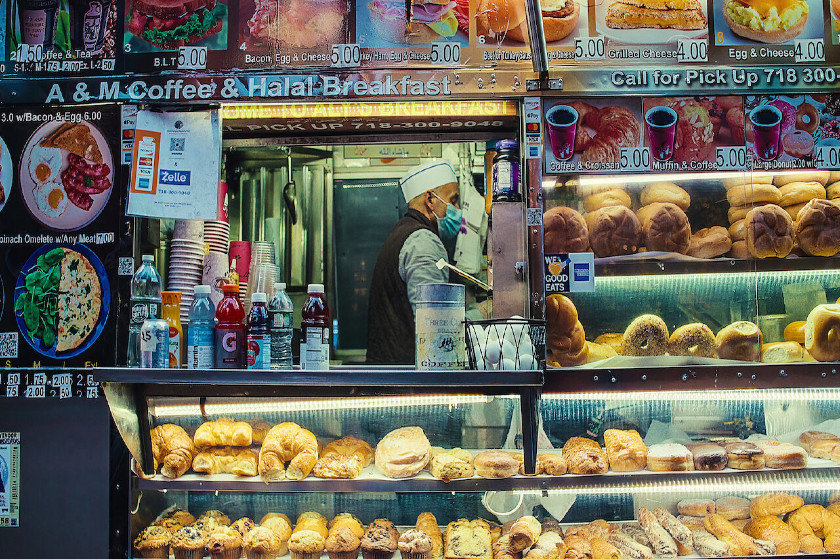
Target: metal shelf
{"type": "Point", "coordinates": [653, 266]}
{"type": "Point", "coordinates": [752, 376]}
{"type": "Point", "coordinates": [627, 481]}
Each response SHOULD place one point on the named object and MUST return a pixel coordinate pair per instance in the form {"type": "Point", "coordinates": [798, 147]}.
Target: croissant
{"type": "Point", "coordinates": [739, 543]}
{"type": "Point", "coordinates": [771, 528]}
{"type": "Point", "coordinates": [585, 456]}
{"type": "Point", "coordinates": [578, 547]}
{"type": "Point", "coordinates": [223, 432]}
{"type": "Point", "coordinates": [173, 448]}
{"type": "Point", "coordinates": [501, 549]}
{"type": "Point", "coordinates": [287, 442]}
{"type": "Point", "coordinates": [814, 523]}
{"type": "Point", "coordinates": [344, 458]}
{"type": "Point", "coordinates": [226, 460]}
{"type": "Point", "coordinates": [615, 127]}
{"type": "Point", "coordinates": [602, 549]}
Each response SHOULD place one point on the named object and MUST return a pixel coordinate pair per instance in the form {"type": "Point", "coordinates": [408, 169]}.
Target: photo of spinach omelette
{"type": "Point", "coordinates": [58, 300]}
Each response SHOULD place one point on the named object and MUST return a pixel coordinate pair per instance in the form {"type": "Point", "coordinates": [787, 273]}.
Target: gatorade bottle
{"type": "Point", "coordinates": [172, 315]}
{"type": "Point", "coordinates": [259, 333]}
{"type": "Point", "coordinates": [315, 330]}
{"type": "Point", "coordinates": [200, 332]}
{"type": "Point", "coordinates": [230, 330]}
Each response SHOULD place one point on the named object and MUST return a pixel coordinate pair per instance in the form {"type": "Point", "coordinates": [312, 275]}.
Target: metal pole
{"type": "Point", "coordinates": [539, 53]}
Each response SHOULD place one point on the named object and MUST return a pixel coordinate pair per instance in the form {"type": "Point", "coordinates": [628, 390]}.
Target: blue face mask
{"type": "Point", "coordinates": [450, 224]}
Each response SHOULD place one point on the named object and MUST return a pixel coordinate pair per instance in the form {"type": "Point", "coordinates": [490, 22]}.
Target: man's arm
{"type": "Point", "coordinates": [418, 258]}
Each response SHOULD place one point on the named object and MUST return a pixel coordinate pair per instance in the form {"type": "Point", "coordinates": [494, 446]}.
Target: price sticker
{"type": "Point", "coordinates": [63, 379]}
{"type": "Point", "coordinates": [29, 53]}
{"type": "Point", "coordinates": [35, 391]}
{"type": "Point", "coordinates": [733, 158]}
{"type": "Point", "coordinates": [828, 157]}
{"type": "Point", "coordinates": [635, 159]}
{"type": "Point", "coordinates": [65, 392]}
{"type": "Point", "coordinates": [346, 55]}
{"type": "Point", "coordinates": [809, 50]}
{"type": "Point", "coordinates": [39, 378]}
{"type": "Point", "coordinates": [590, 48]}
{"type": "Point", "coordinates": [192, 58]}
{"type": "Point", "coordinates": [445, 53]}
{"type": "Point", "coordinates": [692, 50]}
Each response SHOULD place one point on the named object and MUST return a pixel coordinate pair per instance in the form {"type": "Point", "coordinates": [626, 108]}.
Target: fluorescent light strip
{"type": "Point", "coordinates": [252, 406]}
{"type": "Point", "coordinates": [704, 485]}
{"type": "Point", "coordinates": [700, 397]}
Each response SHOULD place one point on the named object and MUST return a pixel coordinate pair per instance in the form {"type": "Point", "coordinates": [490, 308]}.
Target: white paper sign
{"type": "Point", "coordinates": [175, 165]}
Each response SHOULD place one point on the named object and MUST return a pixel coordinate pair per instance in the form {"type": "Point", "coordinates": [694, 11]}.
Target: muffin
{"type": "Point", "coordinates": [153, 542]}
{"type": "Point", "coordinates": [262, 543]}
{"type": "Point", "coordinates": [221, 518]}
{"type": "Point", "coordinates": [243, 525]}
{"type": "Point", "coordinates": [206, 525]}
{"type": "Point", "coordinates": [380, 540]}
{"type": "Point", "coordinates": [342, 543]}
{"type": "Point", "coordinates": [172, 525]}
{"type": "Point", "coordinates": [278, 524]}
{"type": "Point", "coordinates": [224, 543]}
{"type": "Point", "coordinates": [306, 544]}
{"type": "Point", "coordinates": [415, 544]}
{"type": "Point", "coordinates": [350, 521]}
{"type": "Point", "coordinates": [188, 543]}
{"type": "Point", "coordinates": [176, 514]}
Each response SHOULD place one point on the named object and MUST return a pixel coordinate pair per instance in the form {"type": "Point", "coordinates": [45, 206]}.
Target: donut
{"type": "Point", "coordinates": [831, 129]}
{"type": "Point", "coordinates": [740, 341]}
{"type": "Point", "coordinates": [822, 332]}
{"type": "Point", "coordinates": [797, 143]}
{"type": "Point", "coordinates": [807, 118]}
{"type": "Point", "coordinates": [788, 114]}
{"type": "Point", "coordinates": [694, 340]}
{"type": "Point", "coordinates": [647, 335]}
{"type": "Point", "coordinates": [710, 242]}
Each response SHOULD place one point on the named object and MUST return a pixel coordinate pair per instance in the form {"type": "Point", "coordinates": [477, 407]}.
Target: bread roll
{"type": "Point", "coordinates": [769, 231]}
{"type": "Point", "coordinates": [795, 332]}
{"type": "Point", "coordinates": [739, 250]}
{"type": "Point", "coordinates": [737, 213]}
{"type": "Point", "coordinates": [800, 192]}
{"type": "Point", "coordinates": [564, 231]}
{"type": "Point", "coordinates": [752, 194]}
{"type": "Point", "coordinates": [710, 242]}
{"type": "Point", "coordinates": [666, 229]}
{"type": "Point", "coordinates": [606, 199]}
{"type": "Point", "coordinates": [613, 339]}
{"type": "Point", "coordinates": [585, 456]}
{"type": "Point", "coordinates": [747, 178]}
{"type": "Point", "coordinates": [783, 352]}
{"type": "Point", "coordinates": [665, 192]}
{"type": "Point", "coordinates": [737, 231]}
{"type": "Point", "coordinates": [614, 231]}
{"type": "Point", "coordinates": [818, 228]}
{"type": "Point", "coordinates": [403, 452]}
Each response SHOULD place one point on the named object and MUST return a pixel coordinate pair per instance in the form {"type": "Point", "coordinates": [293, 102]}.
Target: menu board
{"type": "Point", "coordinates": [58, 221]}
{"type": "Point", "coordinates": [61, 36]}
{"type": "Point", "coordinates": [699, 133]}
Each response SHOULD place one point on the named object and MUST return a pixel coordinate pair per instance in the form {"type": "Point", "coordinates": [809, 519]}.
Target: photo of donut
{"type": "Point", "coordinates": [779, 128]}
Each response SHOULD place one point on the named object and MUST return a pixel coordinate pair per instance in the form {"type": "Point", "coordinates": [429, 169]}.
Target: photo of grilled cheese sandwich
{"type": "Point", "coordinates": [656, 14]}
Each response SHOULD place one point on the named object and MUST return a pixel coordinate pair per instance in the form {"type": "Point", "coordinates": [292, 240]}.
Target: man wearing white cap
{"type": "Point", "coordinates": [408, 258]}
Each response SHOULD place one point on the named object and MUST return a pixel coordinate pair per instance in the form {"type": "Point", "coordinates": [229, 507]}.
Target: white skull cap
{"type": "Point", "coordinates": [425, 177]}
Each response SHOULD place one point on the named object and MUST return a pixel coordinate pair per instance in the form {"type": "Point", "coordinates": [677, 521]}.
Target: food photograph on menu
{"type": "Point", "coordinates": [835, 22]}
{"type": "Point", "coordinates": [757, 22]}
{"type": "Point", "coordinates": [86, 28]}
{"type": "Point", "coordinates": [587, 135]}
{"type": "Point", "coordinates": [503, 23]}
{"type": "Point", "coordinates": [685, 132]}
{"type": "Point", "coordinates": [389, 23]}
{"type": "Point", "coordinates": [266, 25]}
{"type": "Point", "coordinates": [788, 131]}
{"type": "Point", "coordinates": [66, 174]}
{"type": "Point", "coordinates": [166, 25]}
{"type": "Point", "coordinates": [651, 22]}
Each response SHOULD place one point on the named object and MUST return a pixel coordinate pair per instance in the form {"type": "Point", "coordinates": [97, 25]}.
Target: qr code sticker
{"type": "Point", "coordinates": [8, 345]}
{"type": "Point", "coordinates": [176, 144]}
{"type": "Point", "coordinates": [126, 266]}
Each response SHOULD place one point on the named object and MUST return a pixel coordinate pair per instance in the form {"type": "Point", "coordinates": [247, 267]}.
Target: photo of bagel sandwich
{"type": "Point", "coordinates": [656, 14]}
{"type": "Point", "coordinates": [429, 20]}
{"type": "Point", "coordinates": [506, 19]}
{"type": "Point", "coordinates": [766, 21]}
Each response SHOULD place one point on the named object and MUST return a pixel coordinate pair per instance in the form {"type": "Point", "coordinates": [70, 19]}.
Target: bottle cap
{"type": "Point", "coordinates": [170, 297]}
{"type": "Point", "coordinates": [315, 288]}
{"type": "Point", "coordinates": [279, 286]}
{"type": "Point", "coordinates": [202, 290]}
{"type": "Point", "coordinates": [148, 258]}
{"type": "Point", "coordinates": [230, 289]}
{"type": "Point", "coordinates": [258, 298]}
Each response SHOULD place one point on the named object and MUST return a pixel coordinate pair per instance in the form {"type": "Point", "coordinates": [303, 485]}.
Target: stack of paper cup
{"type": "Point", "coordinates": [240, 255]}
{"type": "Point", "coordinates": [186, 262]}
{"type": "Point", "coordinates": [217, 235]}
{"type": "Point", "coordinates": [215, 274]}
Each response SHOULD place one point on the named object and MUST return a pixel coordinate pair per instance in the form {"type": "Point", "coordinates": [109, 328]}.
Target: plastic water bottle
{"type": "Point", "coordinates": [281, 310]}
{"type": "Point", "coordinates": [200, 332]}
{"type": "Point", "coordinates": [145, 303]}
{"type": "Point", "coordinates": [259, 333]}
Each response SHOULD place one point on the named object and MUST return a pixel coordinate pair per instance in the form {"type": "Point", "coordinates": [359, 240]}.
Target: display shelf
{"type": "Point", "coordinates": [372, 481]}
{"type": "Point", "coordinates": [754, 376]}
{"type": "Point", "coordinates": [639, 265]}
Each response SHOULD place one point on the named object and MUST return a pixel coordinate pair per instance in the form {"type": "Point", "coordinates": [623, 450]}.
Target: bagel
{"type": "Point", "coordinates": [748, 177]}
{"type": "Point", "coordinates": [605, 199]}
{"type": "Point", "coordinates": [613, 339]}
{"type": "Point", "coordinates": [736, 213]}
{"type": "Point", "coordinates": [774, 36]}
{"type": "Point", "coordinates": [753, 193]}
{"type": "Point", "coordinates": [647, 335]}
{"type": "Point", "coordinates": [795, 332]}
{"type": "Point", "coordinates": [800, 192]}
{"type": "Point", "coordinates": [740, 341]}
{"type": "Point", "coordinates": [807, 118]}
{"type": "Point", "coordinates": [694, 340]}
{"type": "Point", "coordinates": [832, 191]}
{"type": "Point", "coordinates": [710, 242]}
{"type": "Point", "coordinates": [822, 332]}
{"type": "Point", "coordinates": [821, 177]}
{"type": "Point", "coordinates": [665, 192]}
{"type": "Point", "coordinates": [287, 442]}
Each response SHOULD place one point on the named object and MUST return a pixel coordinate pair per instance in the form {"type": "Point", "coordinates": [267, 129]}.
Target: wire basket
{"type": "Point", "coordinates": [506, 344]}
